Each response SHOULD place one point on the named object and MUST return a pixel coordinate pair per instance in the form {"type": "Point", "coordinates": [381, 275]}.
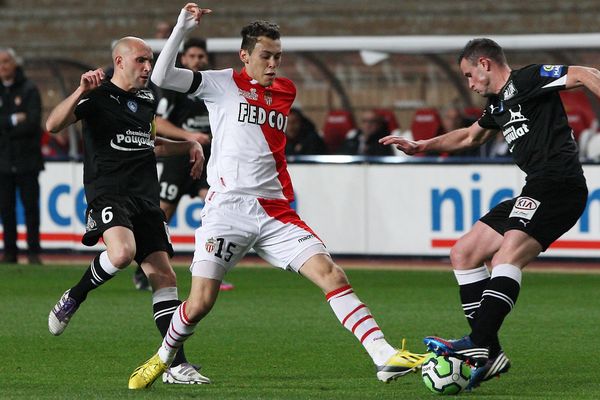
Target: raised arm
{"type": "Point", "coordinates": [458, 139]}
{"type": "Point", "coordinates": [166, 75]}
{"type": "Point", "coordinates": [63, 114]}
{"type": "Point", "coordinates": [583, 76]}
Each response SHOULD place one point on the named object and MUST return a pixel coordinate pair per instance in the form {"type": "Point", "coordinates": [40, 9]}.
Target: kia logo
{"type": "Point", "coordinates": [525, 203]}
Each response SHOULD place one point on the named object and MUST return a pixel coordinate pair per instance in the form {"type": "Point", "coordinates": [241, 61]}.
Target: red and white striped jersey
{"type": "Point", "coordinates": [248, 122]}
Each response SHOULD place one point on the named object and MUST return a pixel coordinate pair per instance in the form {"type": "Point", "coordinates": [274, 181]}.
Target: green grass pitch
{"type": "Point", "coordinates": [275, 337]}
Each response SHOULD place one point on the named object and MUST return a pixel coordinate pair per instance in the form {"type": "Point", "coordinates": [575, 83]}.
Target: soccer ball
{"type": "Point", "coordinates": [445, 375]}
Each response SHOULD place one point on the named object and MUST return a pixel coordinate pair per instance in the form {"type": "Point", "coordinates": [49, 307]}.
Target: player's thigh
{"type": "Point", "coordinates": [104, 213]}
{"type": "Point", "coordinates": [518, 248]}
{"type": "Point", "coordinates": [120, 245]}
{"type": "Point", "coordinates": [323, 272]}
{"type": "Point", "coordinates": [475, 247]}
{"type": "Point", "coordinates": [224, 238]}
{"type": "Point", "coordinates": [287, 242]}
{"type": "Point", "coordinates": [151, 232]}
{"type": "Point", "coordinates": [546, 209]}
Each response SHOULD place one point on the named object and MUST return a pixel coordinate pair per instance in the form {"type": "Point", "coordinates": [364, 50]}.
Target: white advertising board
{"type": "Point", "coordinates": [362, 209]}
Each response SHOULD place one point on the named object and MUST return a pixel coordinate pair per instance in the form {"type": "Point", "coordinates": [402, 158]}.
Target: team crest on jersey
{"type": "Point", "coordinates": [551, 71]}
{"type": "Point", "coordinates": [91, 223]}
{"type": "Point", "coordinates": [268, 97]}
{"type": "Point", "coordinates": [210, 245]}
{"type": "Point", "coordinates": [510, 91]}
{"type": "Point", "coordinates": [250, 95]}
{"type": "Point", "coordinates": [132, 105]}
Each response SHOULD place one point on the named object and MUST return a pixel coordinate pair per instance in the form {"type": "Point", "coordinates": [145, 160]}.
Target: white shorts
{"type": "Point", "coordinates": [233, 224]}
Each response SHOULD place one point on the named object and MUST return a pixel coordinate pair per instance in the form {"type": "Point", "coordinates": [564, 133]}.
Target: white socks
{"type": "Point", "coordinates": [179, 330]}
{"type": "Point", "coordinates": [357, 318]}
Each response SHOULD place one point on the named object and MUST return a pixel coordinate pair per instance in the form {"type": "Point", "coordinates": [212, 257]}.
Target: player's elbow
{"type": "Point", "coordinates": [158, 78]}
{"type": "Point", "coordinates": [52, 126]}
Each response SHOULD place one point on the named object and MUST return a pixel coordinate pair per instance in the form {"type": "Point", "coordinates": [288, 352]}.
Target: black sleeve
{"type": "Point", "coordinates": [83, 108]}
{"type": "Point", "coordinates": [196, 82]}
{"type": "Point", "coordinates": [537, 79]}
{"type": "Point", "coordinates": [486, 121]}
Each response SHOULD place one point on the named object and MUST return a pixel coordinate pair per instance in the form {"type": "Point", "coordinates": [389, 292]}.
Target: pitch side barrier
{"type": "Point", "coordinates": [375, 206]}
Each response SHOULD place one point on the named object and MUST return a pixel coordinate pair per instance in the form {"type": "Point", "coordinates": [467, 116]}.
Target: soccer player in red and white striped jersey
{"type": "Point", "coordinates": [248, 205]}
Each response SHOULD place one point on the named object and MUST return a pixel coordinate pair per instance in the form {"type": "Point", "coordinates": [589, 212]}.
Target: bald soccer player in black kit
{"type": "Point", "coordinates": [121, 187]}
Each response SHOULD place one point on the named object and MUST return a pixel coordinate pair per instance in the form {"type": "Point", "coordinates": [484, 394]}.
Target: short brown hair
{"type": "Point", "coordinates": [194, 42]}
{"type": "Point", "coordinates": [476, 48]}
{"type": "Point", "coordinates": [251, 32]}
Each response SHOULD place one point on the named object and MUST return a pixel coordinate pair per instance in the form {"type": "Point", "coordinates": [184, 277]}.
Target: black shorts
{"type": "Point", "coordinates": [545, 209]}
{"type": "Point", "coordinates": [144, 218]}
{"type": "Point", "coordinates": [175, 180]}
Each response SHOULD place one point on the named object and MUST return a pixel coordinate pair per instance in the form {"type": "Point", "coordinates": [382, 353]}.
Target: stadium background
{"type": "Point", "coordinates": [274, 336]}
{"type": "Point", "coordinates": [57, 40]}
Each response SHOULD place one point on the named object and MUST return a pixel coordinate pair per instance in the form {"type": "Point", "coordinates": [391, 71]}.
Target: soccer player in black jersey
{"type": "Point", "coordinates": [121, 186]}
{"type": "Point", "coordinates": [525, 105]}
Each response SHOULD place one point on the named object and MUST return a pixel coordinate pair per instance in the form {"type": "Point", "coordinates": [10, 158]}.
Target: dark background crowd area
{"type": "Point", "coordinates": [343, 105]}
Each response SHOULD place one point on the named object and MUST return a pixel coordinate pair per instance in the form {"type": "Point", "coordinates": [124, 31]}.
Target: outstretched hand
{"type": "Point", "coordinates": [190, 15]}
{"type": "Point", "coordinates": [409, 147]}
{"type": "Point", "coordinates": [91, 80]}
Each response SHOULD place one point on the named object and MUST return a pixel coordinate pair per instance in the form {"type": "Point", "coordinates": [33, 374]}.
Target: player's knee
{"type": "Point", "coordinates": [121, 256]}
{"type": "Point", "coordinates": [456, 255]}
{"type": "Point", "coordinates": [332, 277]}
{"type": "Point", "coordinates": [338, 276]}
{"type": "Point", "coordinates": [461, 256]}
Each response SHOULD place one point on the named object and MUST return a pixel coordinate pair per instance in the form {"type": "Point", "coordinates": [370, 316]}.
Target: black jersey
{"type": "Point", "coordinates": [530, 114]}
{"type": "Point", "coordinates": [184, 110]}
{"type": "Point", "coordinates": [118, 141]}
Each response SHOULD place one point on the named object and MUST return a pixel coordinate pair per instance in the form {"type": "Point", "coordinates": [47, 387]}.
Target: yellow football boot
{"type": "Point", "coordinates": [144, 376]}
{"type": "Point", "coordinates": [400, 364]}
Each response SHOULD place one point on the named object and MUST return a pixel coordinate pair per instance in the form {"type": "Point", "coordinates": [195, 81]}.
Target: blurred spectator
{"type": "Point", "coordinates": [302, 135]}
{"type": "Point", "coordinates": [163, 30]}
{"type": "Point", "coordinates": [20, 155]}
{"type": "Point", "coordinates": [454, 118]}
{"type": "Point", "coordinates": [365, 140]}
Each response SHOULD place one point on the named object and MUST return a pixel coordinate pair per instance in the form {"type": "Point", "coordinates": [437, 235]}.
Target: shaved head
{"type": "Point", "coordinates": [132, 58]}
{"type": "Point", "coordinates": [127, 44]}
